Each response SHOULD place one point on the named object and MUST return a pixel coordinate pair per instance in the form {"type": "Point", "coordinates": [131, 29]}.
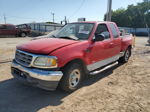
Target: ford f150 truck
{"type": "Point", "coordinates": [66, 58]}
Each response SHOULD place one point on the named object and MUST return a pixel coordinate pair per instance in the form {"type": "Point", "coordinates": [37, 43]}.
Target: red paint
{"type": "Point", "coordinates": [45, 46]}
{"type": "Point", "coordinates": [88, 51]}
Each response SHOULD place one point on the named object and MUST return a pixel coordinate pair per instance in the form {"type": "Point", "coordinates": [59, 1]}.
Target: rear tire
{"type": "Point", "coordinates": [23, 34]}
{"type": "Point", "coordinates": [126, 56]}
{"type": "Point", "coordinates": [72, 78]}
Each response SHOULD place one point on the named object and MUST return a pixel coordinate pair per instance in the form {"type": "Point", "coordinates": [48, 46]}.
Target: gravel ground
{"type": "Point", "coordinates": [123, 88]}
{"type": "Point", "coordinates": [8, 46]}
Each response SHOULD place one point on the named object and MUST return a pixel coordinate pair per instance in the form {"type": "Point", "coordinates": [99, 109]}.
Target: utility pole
{"type": "Point", "coordinates": [4, 18]}
{"type": "Point", "coordinates": [53, 14]}
{"type": "Point", "coordinates": [65, 20]}
{"type": "Point", "coordinates": [109, 6]}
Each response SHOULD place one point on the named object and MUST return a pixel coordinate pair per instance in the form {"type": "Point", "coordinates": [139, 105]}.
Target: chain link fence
{"type": "Point", "coordinates": [137, 31]}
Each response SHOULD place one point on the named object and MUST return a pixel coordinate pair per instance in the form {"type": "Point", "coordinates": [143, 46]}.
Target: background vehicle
{"type": "Point", "coordinates": [24, 30]}
{"type": "Point", "coordinates": [9, 29]}
{"type": "Point", "coordinates": [77, 50]}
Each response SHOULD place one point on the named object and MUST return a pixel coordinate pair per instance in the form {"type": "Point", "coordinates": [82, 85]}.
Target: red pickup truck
{"type": "Point", "coordinates": [9, 30]}
{"type": "Point", "coordinates": [66, 58]}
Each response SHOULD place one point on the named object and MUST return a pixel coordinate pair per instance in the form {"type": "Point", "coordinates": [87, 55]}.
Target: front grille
{"type": "Point", "coordinates": [23, 58]}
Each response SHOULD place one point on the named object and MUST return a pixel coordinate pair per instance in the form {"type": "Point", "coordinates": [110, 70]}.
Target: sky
{"type": "Point", "coordinates": [26, 11]}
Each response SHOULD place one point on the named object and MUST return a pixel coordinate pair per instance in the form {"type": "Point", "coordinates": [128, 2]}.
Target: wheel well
{"type": "Point", "coordinates": [23, 32]}
{"type": "Point", "coordinates": [130, 47]}
{"type": "Point", "coordinates": [80, 61]}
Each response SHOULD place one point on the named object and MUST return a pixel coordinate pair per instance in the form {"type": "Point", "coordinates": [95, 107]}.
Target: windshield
{"type": "Point", "coordinates": [78, 31]}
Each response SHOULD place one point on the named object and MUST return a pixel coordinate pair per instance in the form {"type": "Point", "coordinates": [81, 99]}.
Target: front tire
{"type": "Point", "coordinates": [72, 78]}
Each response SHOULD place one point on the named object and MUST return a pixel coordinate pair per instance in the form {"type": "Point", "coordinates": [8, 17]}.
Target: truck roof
{"type": "Point", "coordinates": [8, 24]}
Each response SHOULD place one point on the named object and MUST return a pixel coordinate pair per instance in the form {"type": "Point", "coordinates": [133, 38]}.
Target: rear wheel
{"type": "Point", "coordinates": [126, 56]}
{"type": "Point", "coordinates": [72, 78]}
{"type": "Point", "coordinates": [23, 34]}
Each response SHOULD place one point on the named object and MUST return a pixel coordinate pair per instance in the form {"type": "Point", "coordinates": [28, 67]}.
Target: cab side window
{"type": "Point", "coordinates": [114, 31]}
{"type": "Point", "coordinates": [102, 29]}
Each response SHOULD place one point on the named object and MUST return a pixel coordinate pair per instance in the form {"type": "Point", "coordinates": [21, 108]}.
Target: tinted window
{"type": "Point", "coordinates": [102, 29]}
{"type": "Point", "coordinates": [114, 31]}
{"type": "Point", "coordinates": [21, 26]}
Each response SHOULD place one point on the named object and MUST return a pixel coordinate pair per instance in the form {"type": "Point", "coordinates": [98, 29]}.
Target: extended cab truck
{"type": "Point", "coordinates": [9, 29]}
{"type": "Point", "coordinates": [64, 59]}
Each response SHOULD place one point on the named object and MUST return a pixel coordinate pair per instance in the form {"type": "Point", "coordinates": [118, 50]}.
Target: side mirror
{"type": "Point", "coordinates": [99, 37]}
{"type": "Point", "coordinates": [121, 34]}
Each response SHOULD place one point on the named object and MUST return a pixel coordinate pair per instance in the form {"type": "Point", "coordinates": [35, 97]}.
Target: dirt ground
{"type": "Point", "coordinates": [123, 88]}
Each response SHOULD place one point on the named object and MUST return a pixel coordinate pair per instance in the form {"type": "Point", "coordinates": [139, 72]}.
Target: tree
{"type": "Point", "coordinates": [134, 16]}
{"type": "Point", "coordinates": [119, 16]}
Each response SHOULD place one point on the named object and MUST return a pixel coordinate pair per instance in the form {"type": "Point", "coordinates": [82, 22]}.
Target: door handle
{"type": "Point", "coordinates": [111, 43]}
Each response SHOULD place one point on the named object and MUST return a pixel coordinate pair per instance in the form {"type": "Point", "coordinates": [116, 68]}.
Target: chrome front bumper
{"type": "Point", "coordinates": [41, 78]}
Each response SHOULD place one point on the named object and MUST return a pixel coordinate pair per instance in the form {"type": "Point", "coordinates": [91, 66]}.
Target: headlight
{"type": "Point", "coordinates": [45, 62]}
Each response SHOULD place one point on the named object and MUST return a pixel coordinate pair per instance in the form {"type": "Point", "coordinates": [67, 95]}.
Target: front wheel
{"type": "Point", "coordinates": [126, 56]}
{"type": "Point", "coordinates": [73, 76]}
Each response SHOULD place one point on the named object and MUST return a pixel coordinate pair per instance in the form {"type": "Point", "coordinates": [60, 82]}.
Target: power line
{"type": "Point", "coordinates": [26, 18]}
{"type": "Point", "coordinates": [19, 17]}
{"type": "Point", "coordinates": [83, 1]}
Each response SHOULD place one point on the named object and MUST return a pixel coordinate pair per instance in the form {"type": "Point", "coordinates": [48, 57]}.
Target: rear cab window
{"type": "Point", "coordinates": [114, 30]}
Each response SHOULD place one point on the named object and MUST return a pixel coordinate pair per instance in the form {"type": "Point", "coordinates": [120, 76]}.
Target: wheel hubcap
{"type": "Point", "coordinates": [23, 34]}
{"type": "Point", "coordinates": [74, 78]}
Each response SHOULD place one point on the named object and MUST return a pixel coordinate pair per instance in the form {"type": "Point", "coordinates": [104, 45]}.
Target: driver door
{"type": "Point", "coordinates": [101, 50]}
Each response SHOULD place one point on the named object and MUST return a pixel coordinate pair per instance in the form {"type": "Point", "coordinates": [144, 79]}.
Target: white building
{"type": "Point", "coordinates": [44, 27]}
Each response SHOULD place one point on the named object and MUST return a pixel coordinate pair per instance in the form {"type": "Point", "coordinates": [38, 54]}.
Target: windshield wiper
{"type": "Point", "coordinates": [69, 37]}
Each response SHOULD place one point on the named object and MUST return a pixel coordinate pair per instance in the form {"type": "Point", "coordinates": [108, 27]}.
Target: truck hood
{"type": "Point", "coordinates": [45, 46]}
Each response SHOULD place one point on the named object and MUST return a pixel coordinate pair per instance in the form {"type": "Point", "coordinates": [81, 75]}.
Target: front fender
{"type": "Point", "coordinates": [70, 53]}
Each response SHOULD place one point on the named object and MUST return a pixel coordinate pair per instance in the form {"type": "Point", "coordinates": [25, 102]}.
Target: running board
{"type": "Point", "coordinates": [103, 69]}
